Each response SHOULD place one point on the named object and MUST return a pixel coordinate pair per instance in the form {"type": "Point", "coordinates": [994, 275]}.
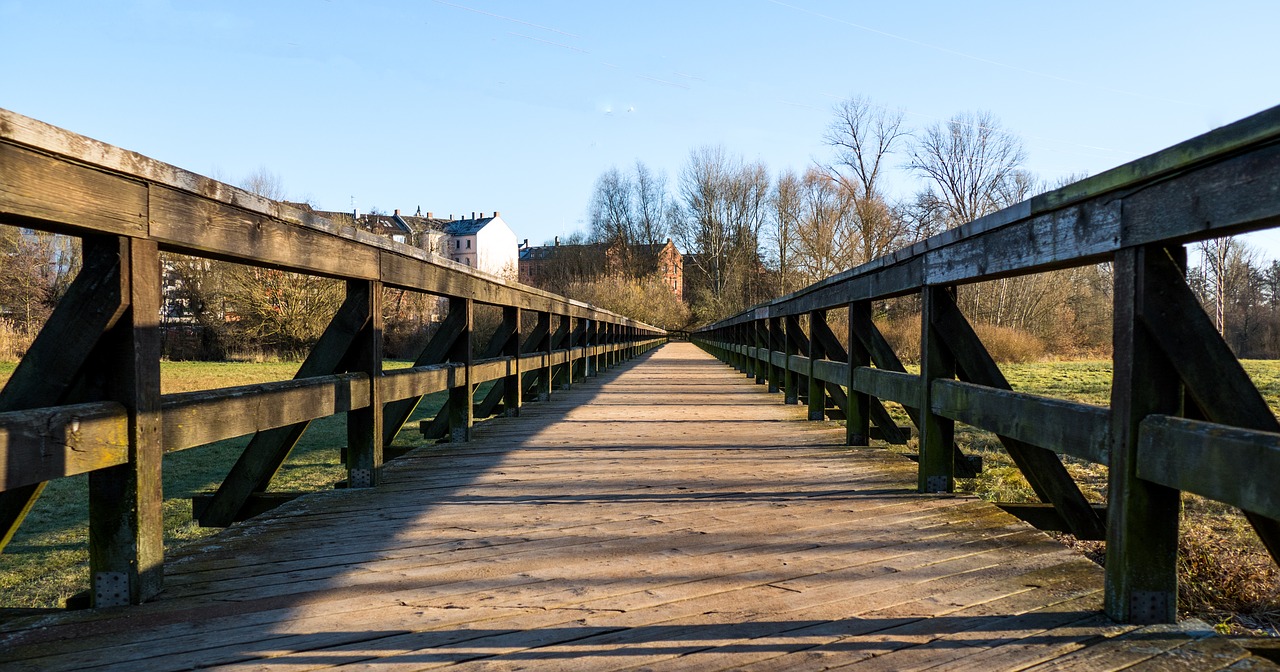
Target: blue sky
{"type": "Point", "coordinates": [480, 105]}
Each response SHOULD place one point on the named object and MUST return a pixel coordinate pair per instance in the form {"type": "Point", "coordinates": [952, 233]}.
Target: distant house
{"type": "Point", "coordinates": [484, 243]}
{"type": "Point", "coordinates": [554, 266]}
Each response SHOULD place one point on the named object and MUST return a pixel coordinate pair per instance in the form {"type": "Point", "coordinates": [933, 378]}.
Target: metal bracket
{"type": "Point", "coordinates": [1149, 606]}
{"type": "Point", "coordinates": [110, 589]}
{"type": "Point", "coordinates": [937, 484]}
{"type": "Point", "coordinates": [360, 478]}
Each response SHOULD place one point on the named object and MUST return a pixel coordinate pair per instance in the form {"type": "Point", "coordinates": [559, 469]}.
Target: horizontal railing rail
{"type": "Point", "coordinates": [1168, 359]}
{"type": "Point", "coordinates": [85, 398]}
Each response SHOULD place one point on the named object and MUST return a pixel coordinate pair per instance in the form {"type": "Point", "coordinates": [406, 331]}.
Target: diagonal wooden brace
{"type": "Point", "coordinates": [267, 450]}
{"type": "Point", "coordinates": [1213, 377]}
{"type": "Point", "coordinates": [883, 356]}
{"type": "Point", "coordinates": [1042, 468]}
{"type": "Point", "coordinates": [94, 302]}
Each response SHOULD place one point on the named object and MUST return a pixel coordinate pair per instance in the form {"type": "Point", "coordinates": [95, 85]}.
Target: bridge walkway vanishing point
{"type": "Point", "coordinates": [665, 515]}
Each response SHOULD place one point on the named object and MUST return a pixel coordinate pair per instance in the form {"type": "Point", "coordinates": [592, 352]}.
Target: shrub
{"type": "Point", "coordinates": [1005, 344]}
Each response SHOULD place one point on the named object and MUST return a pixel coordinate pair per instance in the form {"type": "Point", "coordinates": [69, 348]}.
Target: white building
{"type": "Point", "coordinates": [484, 243]}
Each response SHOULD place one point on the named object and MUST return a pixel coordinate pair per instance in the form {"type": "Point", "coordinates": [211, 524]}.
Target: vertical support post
{"type": "Point", "coordinates": [512, 395]}
{"type": "Point", "coordinates": [744, 337]}
{"type": "Point", "coordinates": [126, 517]}
{"type": "Point", "coordinates": [570, 341]}
{"type": "Point", "coordinates": [816, 391]}
{"type": "Point", "coordinates": [1142, 517]}
{"type": "Point", "coordinates": [857, 413]}
{"type": "Point", "coordinates": [760, 338]}
{"type": "Point", "coordinates": [461, 412]}
{"type": "Point", "coordinates": [790, 381]}
{"type": "Point", "coordinates": [776, 344]}
{"type": "Point", "coordinates": [592, 338]}
{"type": "Point", "coordinates": [544, 379]}
{"type": "Point", "coordinates": [364, 426]}
{"type": "Point", "coordinates": [937, 468]}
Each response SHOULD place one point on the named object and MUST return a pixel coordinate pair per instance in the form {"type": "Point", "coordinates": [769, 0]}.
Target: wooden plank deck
{"type": "Point", "coordinates": [667, 515]}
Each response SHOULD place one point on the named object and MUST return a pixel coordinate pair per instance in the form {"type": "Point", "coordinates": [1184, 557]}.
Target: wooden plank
{"type": "Point", "coordinates": [417, 381]}
{"type": "Point", "coordinates": [1142, 517]}
{"type": "Point", "coordinates": [47, 443]}
{"type": "Point", "coordinates": [903, 388]}
{"type": "Point", "coordinates": [1065, 427]}
{"type": "Point", "coordinates": [459, 407]}
{"type": "Point", "coordinates": [1044, 516]}
{"type": "Point", "coordinates": [126, 502]}
{"type": "Point", "coordinates": [1220, 462]}
{"type": "Point", "coordinates": [365, 431]}
{"type": "Point", "coordinates": [47, 192]}
{"type": "Point", "coordinates": [192, 225]}
{"type": "Point", "coordinates": [937, 433]}
{"type": "Point", "coordinates": [197, 418]}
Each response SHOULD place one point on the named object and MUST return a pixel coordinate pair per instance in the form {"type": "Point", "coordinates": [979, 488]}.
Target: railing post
{"type": "Point", "coordinates": [817, 391]}
{"type": "Point", "coordinates": [748, 362]}
{"type": "Point", "coordinates": [544, 376]}
{"type": "Point", "coordinates": [461, 413]}
{"type": "Point", "coordinates": [364, 426]}
{"type": "Point", "coordinates": [592, 326]}
{"type": "Point", "coordinates": [1142, 517]}
{"type": "Point", "coordinates": [776, 344]}
{"type": "Point", "coordinates": [126, 518]}
{"type": "Point", "coordinates": [790, 380]}
{"type": "Point", "coordinates": [761, 338]}
{"type": "Point", "coordinates": [512, 395]}
{"type": "Point", "coordinates": [857, 414]}
{"type": "Point", "coordinates": [937, 468]}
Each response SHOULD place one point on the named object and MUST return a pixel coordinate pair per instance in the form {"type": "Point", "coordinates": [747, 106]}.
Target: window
{"type": "Point", "coordinates": [457, 244]}
{"type": "Point", "coordinates": [468, 243]}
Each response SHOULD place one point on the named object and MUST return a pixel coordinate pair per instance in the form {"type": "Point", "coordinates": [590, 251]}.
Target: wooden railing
{"type": "Point", "coordinates": [86, 396]}
{"type": "Point", "coordinates": [1184, 416]}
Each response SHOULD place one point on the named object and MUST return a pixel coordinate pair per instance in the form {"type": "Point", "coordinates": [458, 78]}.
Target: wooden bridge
{"type": "Point", "coordinates": [653, 509]}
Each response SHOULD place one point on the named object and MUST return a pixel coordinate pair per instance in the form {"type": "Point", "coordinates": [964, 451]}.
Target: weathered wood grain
{"type": "Point", "coordinates": [1075, 429]}
{"type": "Point", "coordinates": [1220, 462]}
{"type": "Point", "coordinates": [197, 418]}
{"type": "Point", "coordinates": [43, 444]}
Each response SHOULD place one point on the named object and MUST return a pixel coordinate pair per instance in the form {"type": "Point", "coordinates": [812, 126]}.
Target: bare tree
{"type": "Point", "coordinates": [612, 216]}
{"type": "Point", "coordinates": [726, 204]}
{"type": "Point", "coordinates": [972, 161]}
{"type": "Point", "coordinates": [864, 135]}
{"type": "Point", "coordinates": [788, 205]}
{"type": "Point", "coordinates": [1227, 265]}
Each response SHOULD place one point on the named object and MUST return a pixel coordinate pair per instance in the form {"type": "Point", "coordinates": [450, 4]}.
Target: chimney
{"type": "Point", "coordinates": [397, 212]}
{"type": "Point", "coordinates": [668, 241]}
{"type": "Point", "coordinates": [495, 213]}
{"type": "Point", "coordinates": [526, 243]}
{"type": "Point", "coordinates": [482, 215]}
{"type": "Point", "coordinates": [473, 214]}
{"type": "Point", "coordinates": [557, 241]}
{"type": "Point", "coordinates": [428, 215]}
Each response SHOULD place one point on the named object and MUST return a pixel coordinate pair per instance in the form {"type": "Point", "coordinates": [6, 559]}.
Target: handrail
{"type": "Point", "coordinates": [1138, 216]}
{"type": "Point", "coordinates": [101, 349]}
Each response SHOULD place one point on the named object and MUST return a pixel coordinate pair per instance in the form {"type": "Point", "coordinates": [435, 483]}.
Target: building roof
{"type": "Point", "coordinates": [467, 227]}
